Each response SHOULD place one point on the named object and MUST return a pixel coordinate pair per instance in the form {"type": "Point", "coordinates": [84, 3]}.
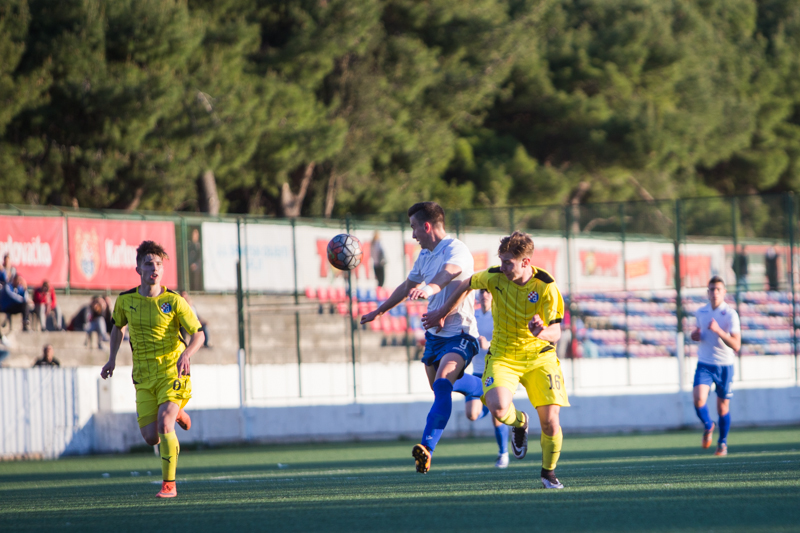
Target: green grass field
{"type": "Point", "coordinates": [652, 482]}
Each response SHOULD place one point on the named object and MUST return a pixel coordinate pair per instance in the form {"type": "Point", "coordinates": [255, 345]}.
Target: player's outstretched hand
{"type": "Point", "coordinates": [184, 367]}
{"type": "Point", "coordinates": [696, 335]}
{"type": "Point", "coordinates": [108, 370]}
{"type": "Point", "coordinates": [417, 293]}
{"type": "Point", "coordinates": [433, 319]}
{"type": "Point", "coordinates": [536, 325]}
{"type": "Point", "coordinates": [485, 344]}
{"type": "Point", "coordinates": [369, 317]}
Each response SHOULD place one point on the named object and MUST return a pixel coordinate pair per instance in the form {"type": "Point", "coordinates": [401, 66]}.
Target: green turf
{"type": "Point", "coordinates": [654, 482]}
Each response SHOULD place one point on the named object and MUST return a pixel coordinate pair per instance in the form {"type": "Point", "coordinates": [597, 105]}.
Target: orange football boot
{"type": "Point", "coordinates": [183, 420]}
{"type": "Point", "coordinates": [168, 490]}
{"type": "Point", "coordinates": [422, 457]}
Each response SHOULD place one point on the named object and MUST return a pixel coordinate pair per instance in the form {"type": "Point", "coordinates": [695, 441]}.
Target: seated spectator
{"type": "Point", "coordinates": [184, 333]}
{"type": "Point", "coordinates": [45, 305]}
{"type": "Point", "coordinates": [7, 272]}
{"type": "Point", "coordinates": [14, 300]}
{"type": "Point", "coordinates": [47, 358]}
{"type": "Point", "coordinates": [95, 317]}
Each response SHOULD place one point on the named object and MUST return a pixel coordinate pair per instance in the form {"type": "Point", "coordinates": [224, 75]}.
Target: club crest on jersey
{"type": "Point", "coordinates": [488, 382]}
{"type": "Point", "coordinates": [533, 297]}
{"type": "Point", "coordinates": [166, 308]}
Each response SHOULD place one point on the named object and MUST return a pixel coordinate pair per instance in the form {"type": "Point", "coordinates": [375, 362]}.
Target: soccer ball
{"type": "Point", "coordinates": [344, 252]}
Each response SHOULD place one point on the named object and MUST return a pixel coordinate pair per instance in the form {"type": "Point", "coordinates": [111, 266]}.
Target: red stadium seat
{"type": "Point", "coordinates": [324, 295]}
{"type": "Point", "coordinates": [311, 294]}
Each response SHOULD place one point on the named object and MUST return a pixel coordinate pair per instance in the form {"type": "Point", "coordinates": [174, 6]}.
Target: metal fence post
{"type": "Point", "coordinates": [296, 312]}
{"type": "Point", "coordinates": [351, 321]}
{"type": "Point", "coordinates": [791, 212]}
{"type": "Point", "coordinates": [679, 344]}
{"type": "Point", "coordinates": [625, 289]}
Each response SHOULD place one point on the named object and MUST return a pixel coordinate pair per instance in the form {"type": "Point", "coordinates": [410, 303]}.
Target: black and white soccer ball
{"type": "Point", "coordinates": [344, 252]}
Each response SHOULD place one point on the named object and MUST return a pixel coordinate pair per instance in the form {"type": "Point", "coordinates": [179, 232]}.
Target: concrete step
{"type": "Point", "coordinates": [273, 337]}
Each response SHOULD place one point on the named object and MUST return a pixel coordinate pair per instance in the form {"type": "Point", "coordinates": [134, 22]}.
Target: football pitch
{"type": "Point", "coordinates": [642, 482]}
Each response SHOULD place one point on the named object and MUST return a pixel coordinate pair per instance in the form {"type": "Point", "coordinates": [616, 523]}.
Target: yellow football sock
{"type": "Point", "coordinates": [169, 449]}
{"type": "Point", "coordinates": [513, 417]}
{"type": "Point", "coordinates": [551, 449]}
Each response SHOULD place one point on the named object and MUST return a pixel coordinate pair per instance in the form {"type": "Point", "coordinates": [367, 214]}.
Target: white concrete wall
{"type": "Point", "coordinates": [72, 411]}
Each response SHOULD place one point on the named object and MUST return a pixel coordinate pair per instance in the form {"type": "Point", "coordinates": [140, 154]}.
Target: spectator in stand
{"type": "Point", "coordinates": [47, 358]}
{"type": "Point", "coordinates": [14, 299]}
{"type": "Point", "coordinates": [771, 266]}
{"type": "Point", "coordinates": [203, 323]}
{"type": "Point", "coordinates": [45, 305]}
{"type": "Point", "coordinates": [378, 259]}
{"type": "Point", "coordinates": [740, 268]}
{"type": "Point", "coordinates": [195, 259]}
{"type": "Point", "coordinates": [95, 317]}
{"type": "Point", "coordinates": [7, 272]}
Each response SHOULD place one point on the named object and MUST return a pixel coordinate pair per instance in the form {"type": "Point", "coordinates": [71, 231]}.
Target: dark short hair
{"type": "Point", "coordinates": [427, 212]}
{"type": "Point", "coordinates": [716, 279]}
{"type": "Point", "coordinates": [150, 247]}
{"type": "Point", "coordinates": [517, 244]}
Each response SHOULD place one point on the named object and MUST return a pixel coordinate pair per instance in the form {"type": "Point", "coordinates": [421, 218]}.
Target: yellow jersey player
{"type": "Point", "coordinates": [527, 308]}
{"type": "Point", "coordinates": [154, 315]}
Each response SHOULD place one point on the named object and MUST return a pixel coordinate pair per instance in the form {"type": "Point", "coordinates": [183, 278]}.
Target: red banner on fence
{"type": "Point", "coordinates": [36, 248]}
{"type": "Point", "coordinates": [103, 252]}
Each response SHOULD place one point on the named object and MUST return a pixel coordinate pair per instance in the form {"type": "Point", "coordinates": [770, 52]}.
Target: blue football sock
{"type": "Point", "coordinates": [501, 434]}
{"type": "Point", "coordinates": [702, 414]}
{"type": "Point", "coordinates": [724, 426]}
{"type": "Point", "coordinates": [469, 386]}
{"type": "Point", "coordinates": [439, 413]}
{"type": "Point", "coordinates": [484, 412]}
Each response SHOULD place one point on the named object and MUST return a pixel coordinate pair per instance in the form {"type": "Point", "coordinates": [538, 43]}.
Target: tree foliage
{"type": "Point", "coordinates": [322, 107]}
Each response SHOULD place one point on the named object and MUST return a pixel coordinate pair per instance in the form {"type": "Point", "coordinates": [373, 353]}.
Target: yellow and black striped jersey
{"type": "Point", "coordinates": [154, 329]}
{"type": "Point", "coordinates": [513, 306]}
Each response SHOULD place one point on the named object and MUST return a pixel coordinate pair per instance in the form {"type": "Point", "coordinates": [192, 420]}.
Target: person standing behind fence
{"type": "Point", "coordinates": [740, 268]}
{"type": "Point", "coordinates": [719, 335]}
{"type": "Point", "coordinates": [771, 267]}
{"type": "Point", "coordinates": [195, 260]}
{"type": "Point", "coordinates": [378, 259]}
{"type": "Point", "coordinates": [161, 362]}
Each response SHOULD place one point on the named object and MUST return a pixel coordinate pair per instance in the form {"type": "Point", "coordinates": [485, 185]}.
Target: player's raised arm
{"type": "Point", "coordinates": [436, 317]}
{"type": "Point", "coordinates": [396, 297]}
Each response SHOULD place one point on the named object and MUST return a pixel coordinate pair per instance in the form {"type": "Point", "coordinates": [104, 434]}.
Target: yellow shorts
{"type": "Point", "coordinates": [151, 394]}
{"type": "Point", "coordinates": [541, 377]}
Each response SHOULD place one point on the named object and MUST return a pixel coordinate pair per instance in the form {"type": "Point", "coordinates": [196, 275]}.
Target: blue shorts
{"type": "Point", "coordinates": [436, 347]}
{"type": "Point", "coordinates": [720, 375]}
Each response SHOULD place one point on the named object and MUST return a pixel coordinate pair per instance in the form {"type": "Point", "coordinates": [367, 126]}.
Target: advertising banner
{"type": "Point", "coordinates": [266, 251]}
{"type": "Point", "coordinates": [103, 252]}
{"type": "Point", "coordinates": [36, 247]}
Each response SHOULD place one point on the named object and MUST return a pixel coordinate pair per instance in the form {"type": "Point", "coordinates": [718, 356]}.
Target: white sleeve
{"type": "Point", "coordinates": [458, 254]}
{"type": "Point", "coordinates": [416, 271]}
{"type": "Point", "coordinates": [735, 326]}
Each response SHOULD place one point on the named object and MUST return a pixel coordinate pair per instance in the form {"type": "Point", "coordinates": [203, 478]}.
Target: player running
{"type": "Point", "coordinates": [528, 309]}
{"type": "Point", "coordinates": [450, 349]}
{"type": "Point", "coordinates": [474, 409]}
{"type": "Point", "coordinates": [160, 358]}
{"type": "Point", "coordinates": [719, 334]}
